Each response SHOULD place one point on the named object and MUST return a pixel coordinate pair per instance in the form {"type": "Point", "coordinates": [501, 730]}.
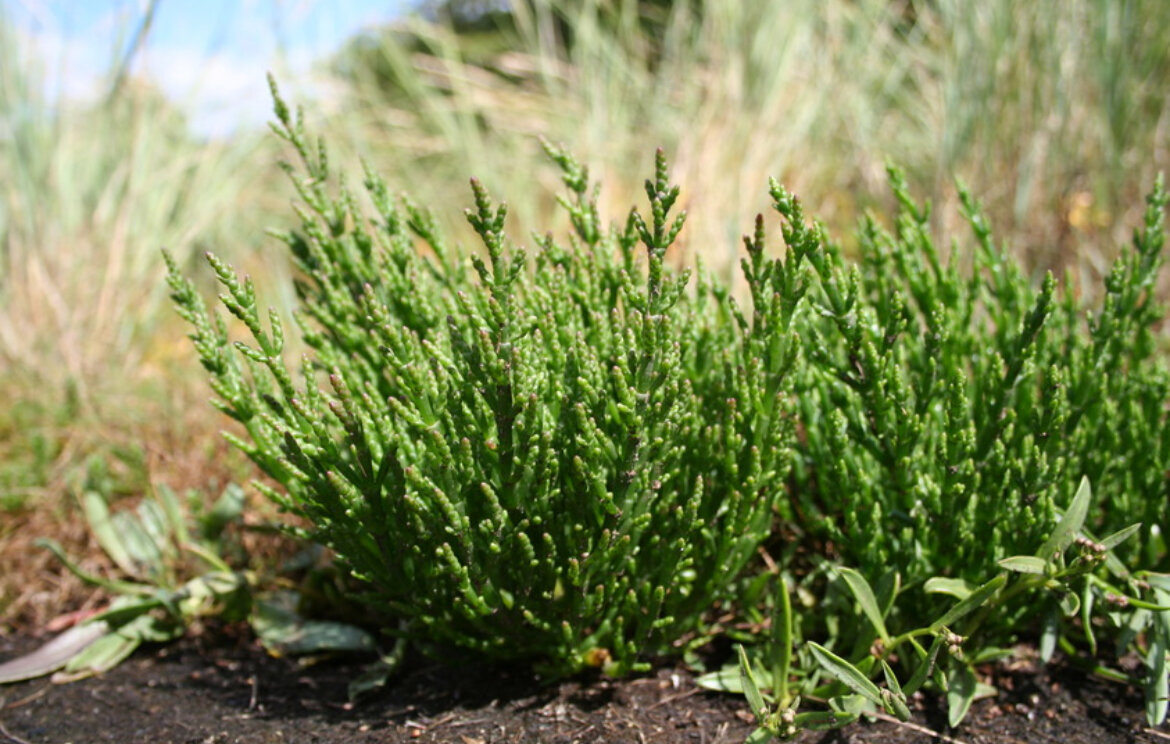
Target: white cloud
{"type": "Point", "coordinates": [220, 91]}
{"type": "Point", "coordinates": [208, 56]}
{"type": "Point", "coordinates": [70, 65]}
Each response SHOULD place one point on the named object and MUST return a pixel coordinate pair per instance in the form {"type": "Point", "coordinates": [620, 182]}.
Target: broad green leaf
{"type": "Point", "coordinates": [983, 690]}
{"type": "Point", "coordinates": [207, 556]}
{"type": "Point", "coordinates": [223, 593]}
{"type": "Point", "coordinates": [975, 600]}
{"type": "Point", "coordinates": [326, 636]}
{"type": "Point", "coordinates": [960, 693]}
{"type": "Point", "coordinates": [151, 629]}
{"type": "Point", "coordinates": [97, 514]}
{"type": "Point", "coordinates": [1112, 541]}
{"type": "Point", "coordinates": [853, 705]}
{"type": "Point", "coordinates": [375, 675]}
{"type": "Point", "coordinates": [283, 631]}
{"type": "Point", "coordinates": [1131, 624]}
{"type": "Point", "coordinates": [1070, 603]}
{"type": "Point", "coordinates": [1029, 564]}
{"type": "Point", "coordinates": [895, 705]}
{"type": "Point", "coordinates": [175, 516]}
{"type": "Point", "coordinates": [145, 554]}
{"type": "Point", "coordinates": [726, 679]}
{"type": "Point", "coordinates": [102, 655]}
{"type": "Point", "coordinates": [865, 597]}
{"type": "Point", "coordinates": [1114, 565]}
{"type": "Point", "coordinates": [1069, 524]}
{"type": "Point", "coordinates": [849, 675]}
{"type": "Point", "coordinates": [750, 689]}
{"type": "Point", "coordinates": [219, 583]}
{"type": "Point", "coordinates": [373, 678]}
{"type": "Point", "coordinates": [957, 588]}
{"type": "Point", "coordinates": [154, 521]}
{"type": "Point", "coordinates": [891, 678]}
{"type": "Point", "coordinates": [1162, 618]}
{"type": "Point", "coordinates": [227, 509]}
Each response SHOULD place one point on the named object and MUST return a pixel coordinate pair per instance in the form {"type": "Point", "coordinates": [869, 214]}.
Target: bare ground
{"type": "Point", "coordinates": [219, 687]}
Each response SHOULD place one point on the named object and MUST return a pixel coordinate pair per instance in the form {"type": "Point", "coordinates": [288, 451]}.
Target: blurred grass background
{"type": "Point", "coordinates": [1055, 114]}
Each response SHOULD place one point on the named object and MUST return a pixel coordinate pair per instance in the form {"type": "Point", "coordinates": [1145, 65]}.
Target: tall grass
{"type": "Point", "coordinates": [90, 191]}
{"type": "Point", "coordinates": [1054, 112]}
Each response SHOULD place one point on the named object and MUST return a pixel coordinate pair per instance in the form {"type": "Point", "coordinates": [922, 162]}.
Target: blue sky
{"type": "Point", "coordinates": [208, 55]}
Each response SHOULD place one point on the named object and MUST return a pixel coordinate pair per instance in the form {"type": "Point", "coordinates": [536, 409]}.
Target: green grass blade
{"type": "Point", "coordinates": [782, 643]}
{"type": "Point", "coordinates": [112, 585]}
{"type": "Point", "coordinates": [1087, 600]}
{"type": "Point", "coordinates": [924, 669]}
{"type": "Point", "coordinates": [1112, 541]}
{"type": "Point", "coordinates": [750, 690]}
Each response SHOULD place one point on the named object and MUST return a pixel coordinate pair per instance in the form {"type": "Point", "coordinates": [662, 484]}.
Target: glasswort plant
{"type": "Point", "coordinates": [950, 410]}
{"type": "Point", "coordinates": [953, 419]}
{"type": "Point", "coordinates": [562, 458]}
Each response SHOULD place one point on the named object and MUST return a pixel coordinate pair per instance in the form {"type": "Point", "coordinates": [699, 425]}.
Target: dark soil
{"type": "Point", "coordinates": [220, 688]}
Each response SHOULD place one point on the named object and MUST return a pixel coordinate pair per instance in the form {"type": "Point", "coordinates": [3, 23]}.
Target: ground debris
{"type": "Point", "coordinates": [221, 688]}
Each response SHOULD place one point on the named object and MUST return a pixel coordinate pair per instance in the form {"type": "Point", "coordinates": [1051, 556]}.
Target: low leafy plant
{"type": "Point", "coordinates": [176, 572]}
{"type": "Point", "coordinates": [561, 458]}
{"type": "Point", "coordinates": [182, 564]}
{"type": "Point", "coordinates": [1079, 573]}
